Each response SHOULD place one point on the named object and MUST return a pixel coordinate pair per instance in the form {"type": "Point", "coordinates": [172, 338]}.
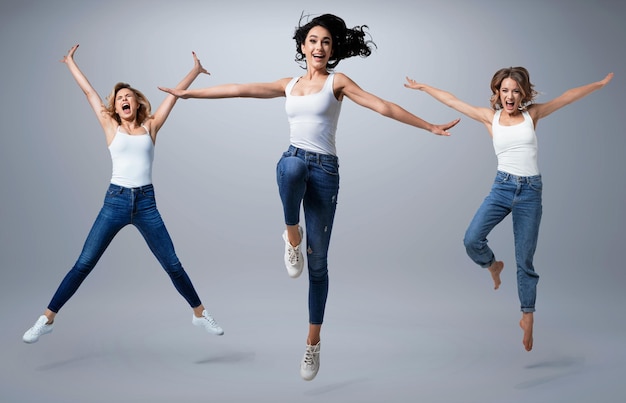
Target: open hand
{"type": "Point", "coordinates": [414, 85]}
{"type": "Point", "coordinates": [442, 130]}
{"type": "Point", "coordinates": [70, 54]}
{"type": "Point", "coordinates": [198, 66]}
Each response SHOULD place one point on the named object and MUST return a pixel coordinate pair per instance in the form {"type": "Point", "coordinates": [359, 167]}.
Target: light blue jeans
{"type": "Point", "coordinates": [311, 180]}
{"type": "Point", "coordinates": [124, 206]}
{"type": "Point", "coordinates": [520, 196]}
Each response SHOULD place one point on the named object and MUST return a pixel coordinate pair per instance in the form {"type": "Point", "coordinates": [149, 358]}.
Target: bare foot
{"type": "Point", "coordinates": [526, 323]}
{"type": "Point", "coordinates": [495, 269]}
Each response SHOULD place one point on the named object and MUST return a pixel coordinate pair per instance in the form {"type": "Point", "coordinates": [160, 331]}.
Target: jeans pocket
{"type": "Point", "coordinates": [149, 193]}
{"type": "Point", "coordinates": [331, 168]}
{"type": "Point", "coordinates": [536, 185]}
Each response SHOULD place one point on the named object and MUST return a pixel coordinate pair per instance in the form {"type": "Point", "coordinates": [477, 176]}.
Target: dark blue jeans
{"type": "Point", "coordinates": [124, 206]}
{"type": "Point", "coordinates": [521, 196]}
{"type": "Point", "coordinates": [311, 180]}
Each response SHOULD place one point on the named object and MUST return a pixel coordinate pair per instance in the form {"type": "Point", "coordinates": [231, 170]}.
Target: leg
{"type": "Point", "coordinates": [527, 213]}
{"type": "Point", "coordinates": [148, 221]}
{"type": "Point", "coordinates": [151, 226]}
{"type": "Point", "coordinates": [320, 203]}
{"type": "Point", "coordinates": [110, 221]}
{"type": "Point", "coordinates": [492, 211]}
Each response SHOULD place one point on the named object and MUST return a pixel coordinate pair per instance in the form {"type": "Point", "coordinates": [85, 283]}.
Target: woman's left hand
{"type": "Point", "coordinates": [442, 130]}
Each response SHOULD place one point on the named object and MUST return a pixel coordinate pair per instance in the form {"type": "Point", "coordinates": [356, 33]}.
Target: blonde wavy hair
{"type": "Point", "coordinates": [144, 112]}
{"type": "Point", "coordinates": [521, 77]}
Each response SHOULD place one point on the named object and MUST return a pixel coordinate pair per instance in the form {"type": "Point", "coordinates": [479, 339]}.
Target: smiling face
{"type": "Point", "coordinates": [126, 104]}
{"type": "Point", "coordinates": [510, 95]}
{"type": "Point", "coordinates": [317, 47]}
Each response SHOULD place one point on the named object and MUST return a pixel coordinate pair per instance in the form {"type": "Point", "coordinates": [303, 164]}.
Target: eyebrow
{"type": "Point", "coordinates": [316, 37]}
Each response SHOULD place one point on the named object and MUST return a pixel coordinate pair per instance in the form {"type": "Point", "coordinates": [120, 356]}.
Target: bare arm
{"type": "Point", "coordinates": [539, 111]}
{"type": "Point", "coordinates": [106, 121]}
{"type": "Point", "coordinates": [168, 103]}
{"type": "Point", "coordinates": [252, 90]}
{"type": "Point", "coordinates": [480, 114]}
{"type": "Point", "coordinates": [345, 86]}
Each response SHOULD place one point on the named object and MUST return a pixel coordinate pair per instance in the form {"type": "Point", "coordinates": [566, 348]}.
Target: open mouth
{"type": "Point", "coordinates": [125, 107]}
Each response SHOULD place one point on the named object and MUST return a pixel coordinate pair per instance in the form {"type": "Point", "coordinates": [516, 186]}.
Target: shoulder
{"type": "Point", "coordinates": [284, 82]}
{"type": "Point", "coordinates": [341, 78]}
{"type": "Point", "coordinates": [534, 111]}
{"type": "Point", "coordinates": [343, 83]}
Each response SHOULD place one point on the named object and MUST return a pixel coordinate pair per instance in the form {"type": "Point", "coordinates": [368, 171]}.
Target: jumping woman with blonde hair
{"type": "Point", "coordinates": [511, 121]}
{"type": "Point", "coordinates": [130, 131]}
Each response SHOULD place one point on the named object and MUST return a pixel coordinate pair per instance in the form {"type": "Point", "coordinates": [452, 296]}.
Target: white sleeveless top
{"type": "Point", "coordinates": [515, 146]}
{"type": "Point", "coordinates": [132, 158]}
{"type": "Point", "coordinates": [313, 118]}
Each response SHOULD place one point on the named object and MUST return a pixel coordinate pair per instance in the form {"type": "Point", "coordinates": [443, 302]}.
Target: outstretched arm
{"type": "Point", "coordinates": [168, 103]}
{"type": "Point", "coordinates": [482, 115]}
{"type": "Point", "coordinates": [252, 90]}
{"type": "Point", "coordinates": [345, 86]}
{"type": "Point", "coordinates": [538, 111]}
{"type": "Point", "coordinates": [106, 121]}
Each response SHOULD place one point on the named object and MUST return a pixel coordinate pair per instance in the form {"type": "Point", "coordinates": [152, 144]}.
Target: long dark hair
{"type": "Point", "coordinates": [347, 42]}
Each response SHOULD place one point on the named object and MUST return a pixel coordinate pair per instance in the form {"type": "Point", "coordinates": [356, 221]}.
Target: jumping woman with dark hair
{"type": "Point", "coordinates": [130, 131]}
{"type": "Point", "coordinates": [308, 172]}
{"type": "Point", "coordinates": [511, 122]}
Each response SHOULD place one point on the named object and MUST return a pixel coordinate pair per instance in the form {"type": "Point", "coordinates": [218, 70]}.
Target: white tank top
{"type": "Point", "coordinates": [515, 146]}
{"type": "Point", "coordinates": [131, 157]}
{"type": "Point", "coordinates": [313, 118]}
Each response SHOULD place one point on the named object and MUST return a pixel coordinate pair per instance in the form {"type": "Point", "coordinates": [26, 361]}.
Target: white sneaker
{"type": "Point", "coordinates": [310, 362]}
{"type": "Point", "coordinates": [294, 261]}
{"type": "Point", "coordinates": [39, 329]}
{"type": "Point", "coordinates": [207, 322]}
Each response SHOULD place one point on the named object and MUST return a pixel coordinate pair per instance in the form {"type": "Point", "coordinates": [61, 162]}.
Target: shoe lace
{"type": "Point", "coordinates": [39, 327]}
{"type": "Point", "coordinates": [294, 256]}
{"type": "Point", "coordinates": [211, 321]}
{"type": "Point", "coordinates": [309, 356]}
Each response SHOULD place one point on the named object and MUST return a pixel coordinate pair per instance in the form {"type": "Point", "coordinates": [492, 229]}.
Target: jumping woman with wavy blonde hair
{"type": "Point", "coordinates": [130, 131]}
{"type": "Point", "coordinates": [511, 122]}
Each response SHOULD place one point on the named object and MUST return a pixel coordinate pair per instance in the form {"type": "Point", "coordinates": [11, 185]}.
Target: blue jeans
{"type": "Point", "coordinates": [123, 206]}
{"type": "Point", "coordinates": [312, 180]}
{"type": "Point", "coordinates": [520, 196]}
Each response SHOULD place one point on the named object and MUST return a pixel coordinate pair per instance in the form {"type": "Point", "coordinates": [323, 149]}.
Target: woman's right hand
{"type": "Point", "coordinates": [70, 54]}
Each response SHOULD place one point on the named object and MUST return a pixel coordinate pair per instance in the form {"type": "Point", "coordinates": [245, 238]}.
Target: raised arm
{"type": "Point", "coordinates": [343, 85]}
{"type": "Point", "coordinates": [538, 111]}
{"type": "Point", "coordinates": [252, 90]}
{"type": "Point", "coordinates": [168, 103]}
{"type": "Point", "coordinates": [106, 121]}
{"type": "Point", "coordinates": [480, 114]}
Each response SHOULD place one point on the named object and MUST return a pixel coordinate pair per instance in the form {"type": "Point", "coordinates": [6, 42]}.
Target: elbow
{"type": "Point", "coordinates": [387, 109]}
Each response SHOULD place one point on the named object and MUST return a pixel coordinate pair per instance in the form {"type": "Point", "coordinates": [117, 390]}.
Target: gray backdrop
{"type": "Point", "coordinates": [409, 316]}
